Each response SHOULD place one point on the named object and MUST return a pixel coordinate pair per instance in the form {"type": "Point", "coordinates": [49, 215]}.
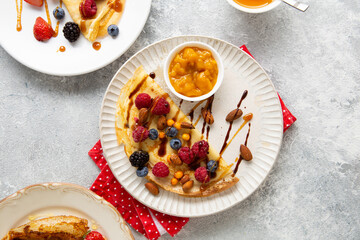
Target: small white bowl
{"type": "Point", "coordinates": [217, 58]}
{"type": "Point", "coordinates": [266, 8]}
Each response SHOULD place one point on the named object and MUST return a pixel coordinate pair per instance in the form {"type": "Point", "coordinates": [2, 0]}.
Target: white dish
{"type": "Point", "coordinates": [79, 57]}
{"type": "Point", "coordinates": [217, 58]}
{"type": "Point", "coordinates": [241, 72]}
{"type": "Point", "coordinates": [267, 8]}
{"type": "Point", "coordinates": [51, 199]}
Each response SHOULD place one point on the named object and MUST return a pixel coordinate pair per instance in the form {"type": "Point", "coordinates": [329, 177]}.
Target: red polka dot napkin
{"type": "Point", "coordinates": [146, 221]}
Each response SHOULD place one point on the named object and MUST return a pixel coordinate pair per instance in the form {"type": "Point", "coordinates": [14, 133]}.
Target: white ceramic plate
{"type": "Point", "coordinates": [80, 57]}
{"type": "Point", "coordinates": [51, 199]}
{"type": "Point", "coordinates": [241, 73]}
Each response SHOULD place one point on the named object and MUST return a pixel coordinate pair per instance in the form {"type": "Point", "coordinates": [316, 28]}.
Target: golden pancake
{"type": "Point", "coordinates": [158, 149]}
{"type": "Point", "coordinates": [108, 12]}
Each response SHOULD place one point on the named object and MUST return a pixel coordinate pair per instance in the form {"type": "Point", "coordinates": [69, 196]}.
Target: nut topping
{"type": "Point", "coordinates": [174, 159]}
{"type": "Point", "coordinates": [153, 189]}
{"type": "Point", "coordinates": [187, 125]}
{"type": "Point", "coordinates": [161, 123]}
{"type": "Point", "coordinates": [143, 115]}
{"type": "Point", "coordinates": [208, 117]}
{"type": "Point", "coordinates": [188, 185]}
{"type": "Point", "coordinates": [245, 152]}
{"type": "Point", "coordinates": [184, 179]}
{"type": "Point", "coordinates": [234, 114]}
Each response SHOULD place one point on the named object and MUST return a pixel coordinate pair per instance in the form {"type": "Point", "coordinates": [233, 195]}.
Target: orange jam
{"type": "Point", "coordinates": [193, 72]}
{"type": "Point", "coordinates": [253, 3]}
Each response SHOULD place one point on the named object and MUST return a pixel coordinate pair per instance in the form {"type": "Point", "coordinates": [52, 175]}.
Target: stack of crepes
{"type": "Point", "coordinates": [150, 223]}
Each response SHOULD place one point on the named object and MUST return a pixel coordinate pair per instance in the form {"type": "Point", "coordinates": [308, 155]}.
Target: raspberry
{"type": "Point", "coordinates": [140, 134]}
{"type": "Point", "coordinates": [88, 8]}
{"type": "Point", "coordinates": [161, 106]}
{"type": "Point", "coordinates": [139, 158]}
{"type": "Point", "coordinates": [160, 170]}
{"type": "Point", "coordinates": [186, 155]}
{"type": "Point", "coordinates": [200, 149]}
{"type": "Point", "coordinates": [143, 100]}
{"type": "Point", "coordinates": [202, 175]}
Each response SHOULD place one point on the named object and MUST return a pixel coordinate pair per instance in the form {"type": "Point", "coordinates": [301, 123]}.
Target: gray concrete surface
{"type": "Point", "coordinates": [49, 123]}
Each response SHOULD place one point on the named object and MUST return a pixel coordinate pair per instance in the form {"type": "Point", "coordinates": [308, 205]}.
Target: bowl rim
{"type": "Point", "coordinates": [266, 8]}
{"type": "Point", "coordinates": [217, 58]}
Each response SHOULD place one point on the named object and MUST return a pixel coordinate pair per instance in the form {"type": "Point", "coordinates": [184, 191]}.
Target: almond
{"type": "Point", "coordinates": [188, 185]}
{"type": "Point", "coordinates": [208, 117]}
{"type": "Point", "coordinates": [184, 179]}
{"type": "Point", "coordinates": [187, 125]}
{"type": "Point", "coordinates": [161, 123]}
{"type": "Point", "coordinates": [153, 189]}
{"type": "Point", "coordinates": [174, 158]}
{"type": "Point", "coordinates": [233, 115]}
{"type": "Point", "coordinates": [245, 152]}
{"type": "Point", "coordinates": [143, 115]}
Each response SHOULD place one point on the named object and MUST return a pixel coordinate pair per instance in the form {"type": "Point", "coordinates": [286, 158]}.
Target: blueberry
{"type": "Point", "coordinates": [59, 13]}
{"type": "Point", "coordinates": [113, 30]}
{"type": "Point", "coordinates": [153, 134]}
{"type": "Point", "coordinates": [212, 166]}
{"type": "Point", "coordinates": [142, 171]}
{"type": "Point", "coordinates": [175, 143]}
{"type": "Point", "coordinates": [171, 132]}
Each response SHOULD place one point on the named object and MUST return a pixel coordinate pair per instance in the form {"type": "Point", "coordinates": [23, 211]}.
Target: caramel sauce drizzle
{"type": "Point", "coordinates": [132, 102]}
{"type": "Point", "coordinates": [178, 111]}
{"type": "Point", "coordinates": [191, 113]}
{"type": "Point", "coordinates": [208, 107]}
{"type": "Point", "coordinates": [240, 158]}
{"type": "Point", "coordinates": [47, 12]}
{"type": "Point", "coordinates": [236, 133]}
{"type": "Point", "coordinates": [162, 148]}
{"type": "Point", "coordinates": [18, 18]}
{"type": "Point", "coordinates": [56, 32]}
{"type": "Point", "coordinates": [62, 49]}
{"type": "Point", "coordinates": [82, 26]}
{"type": "Point", "coordinates": [96, 46]}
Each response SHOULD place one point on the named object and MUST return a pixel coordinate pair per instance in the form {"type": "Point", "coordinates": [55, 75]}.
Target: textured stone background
{"type": "Point", "coordinates": [49, 123]}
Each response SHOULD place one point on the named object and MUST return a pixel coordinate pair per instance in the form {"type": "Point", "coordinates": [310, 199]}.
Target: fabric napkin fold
{"type": "Point", "coordinates": [152, 224]}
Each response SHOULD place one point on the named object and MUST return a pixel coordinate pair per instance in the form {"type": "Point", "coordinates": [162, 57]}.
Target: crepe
{"type": "Point", "coordinates": [57, 227]}
{"type": "Point", "coordinates": [125, 124]}
{"type": "Point", "coordinates": [108, 12]}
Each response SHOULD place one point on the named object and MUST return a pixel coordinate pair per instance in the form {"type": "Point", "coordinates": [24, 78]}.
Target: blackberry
{"type": "Point", "coordinates": [139, 158]}
{"type": "Point", "coordinates": [71, 31]}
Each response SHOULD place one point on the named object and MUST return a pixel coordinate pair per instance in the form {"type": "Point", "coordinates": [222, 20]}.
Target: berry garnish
{"type": "Point", "coordinates": [143, 100]}
{"type": "Point", "coordinates": [171, 132]}
{"type": "Point", "coordinates": [161, 106]}
{"type": "Point", "coordinates": [113, 30]}
{"type": "Point", "coordinates": [175, 143]}
{"type": "Point", "coordinates": [142, 171]}
{"type": "Point", "coordinates": [186, 155]}
{"type": "Point", "coordinates": [59, 13]}
{"type": "Point", "coordinates": [37, 3]}
{"type": "Point", "coordinates": [160, 170]}
{"type": "Point", "coordinates": [212, 166]}
{"type": "Point", "coordinates": [88, 8]}
{"type": "Point", "coordinates": [139, 158]}
{"type": "Point", "coordinates": [71, 31]}
{"type": "Point", "coordinates": [153, 134]}
{"type": "Point", "coordinates": [140, 134]}
{"type": "Point", "coordinates": [200, 149]}
{"type": "Point", "coordinates": [94, 235]}
{"type": "Point", "coordinates": [42, 30]}
{"type": "Point", "coordinates": [202, 175]}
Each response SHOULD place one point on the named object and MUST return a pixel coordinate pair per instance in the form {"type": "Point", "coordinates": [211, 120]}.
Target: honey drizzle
{"type": "Point", "coordinates": [56, 32]}
{"type": "Point", "coordinates": [18, 18]}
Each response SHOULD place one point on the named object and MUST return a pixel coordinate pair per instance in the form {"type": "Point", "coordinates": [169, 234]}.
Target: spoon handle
{"type": "Point", "coordinates": [298, 5]}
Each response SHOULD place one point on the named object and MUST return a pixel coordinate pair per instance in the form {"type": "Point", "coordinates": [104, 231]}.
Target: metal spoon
{"type": "Point", "coordinates": [298, 5]}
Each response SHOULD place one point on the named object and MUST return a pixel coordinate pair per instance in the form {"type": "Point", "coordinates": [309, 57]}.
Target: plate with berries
{"type": "Point", "coordinates": [70, 37]}
{"type": "Point", "coordinates": [188, 157]}
{"type": "Point", "coordinates": [60, 211]}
